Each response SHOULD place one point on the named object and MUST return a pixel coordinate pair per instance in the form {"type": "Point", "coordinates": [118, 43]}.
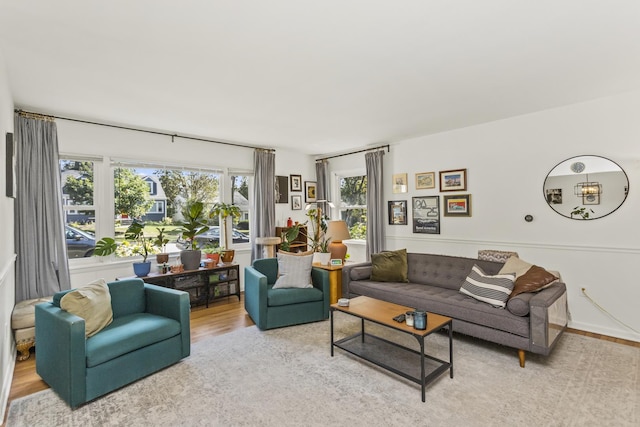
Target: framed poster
{"type": "Point", "coordinates": [459, 205]}
{"type": "Point", "coordinates": [310, 191]}
{"type": "Point", "coordinates": [296, 182]}
{"type": "Point", "coordinates": [425, 180]}
{"type": "Point", "coordinates": [296, 203]}
{"type": "Point", "coordinates": [453, 180]}
{"type": "Point", "coordinates": [282, 189]}
{"type": "Point", "coordinates": [400, 183]}
{"type": "Point", "coordinates": [426, 214]}
{"type": "Point", "coordinates": [398, 212]}
{"type": "Point", "coordinates": [11, 166]}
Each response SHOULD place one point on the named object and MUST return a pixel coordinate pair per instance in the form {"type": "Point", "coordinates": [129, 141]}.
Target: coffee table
{"type": "Point", "coordinates": [389, 355]}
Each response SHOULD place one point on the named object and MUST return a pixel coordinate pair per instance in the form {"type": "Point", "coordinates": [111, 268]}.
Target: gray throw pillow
{"type": "Point", "coordinates": [294, 271]}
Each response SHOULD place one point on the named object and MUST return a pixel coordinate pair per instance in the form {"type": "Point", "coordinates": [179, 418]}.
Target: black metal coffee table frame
{"type": "Point", "coordinates": [372, 348]}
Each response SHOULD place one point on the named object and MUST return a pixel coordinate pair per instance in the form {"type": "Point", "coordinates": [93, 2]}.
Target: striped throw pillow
{"type": "Point", "coordinates": [494, 290]}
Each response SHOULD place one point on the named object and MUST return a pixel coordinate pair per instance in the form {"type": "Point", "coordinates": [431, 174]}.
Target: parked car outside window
{"type": "Point", "coordinates": [212, 236]}
{"type": "Point", "coordinates": [79, 243]}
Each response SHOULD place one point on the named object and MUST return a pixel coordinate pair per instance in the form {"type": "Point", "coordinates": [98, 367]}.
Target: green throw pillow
{"type": "Point", "coordinates": [389, 266]}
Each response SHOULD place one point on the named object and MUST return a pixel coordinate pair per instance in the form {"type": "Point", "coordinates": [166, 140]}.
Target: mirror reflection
{"type": "Point", "coordinates": [586, 187]}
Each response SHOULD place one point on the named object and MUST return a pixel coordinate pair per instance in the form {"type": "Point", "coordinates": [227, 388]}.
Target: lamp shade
{"type": "Point", "coordinates": [337, 231]}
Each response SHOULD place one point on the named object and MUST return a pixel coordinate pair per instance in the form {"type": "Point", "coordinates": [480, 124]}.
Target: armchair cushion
{"type": "Point", "coordinates": [294, 271]}
{"type": "Point", "coordinates": [91, 302]}
{"type": "Point", "coordinates": [278, 297]}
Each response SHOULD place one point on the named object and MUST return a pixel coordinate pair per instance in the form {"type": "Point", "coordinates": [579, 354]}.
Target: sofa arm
{"type": "Point", "coordinates": [255, 296]}
{"type": "Point", "coordinates": [61, 359]}
{"type": "Point", "coordinates": [548, 317]}
{"type": "Point", "coordinates": [173, 304]}
{"type": "Point", "coordinates": [320, 280]}
{"type": "Point", "coordinates": [360, 271]}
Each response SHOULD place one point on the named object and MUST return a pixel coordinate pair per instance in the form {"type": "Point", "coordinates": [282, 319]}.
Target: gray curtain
{"type": "Point", "coordinates": [322, 184]}
{"type": "Point", "coordinates": [375, 203]}
{"type": "Point", "coordinates": [264, 206]}
{"type": "Point", "coordinates": [42, 268]}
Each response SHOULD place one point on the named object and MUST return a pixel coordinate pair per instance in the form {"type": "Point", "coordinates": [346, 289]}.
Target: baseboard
{"type": "Point", "coordinates": [8, 379]}
{"type": "Point", "coordinates": [603, 333]}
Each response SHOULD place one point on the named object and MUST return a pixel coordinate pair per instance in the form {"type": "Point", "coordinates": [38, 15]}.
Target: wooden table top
{"type": "Point", "coordinates": [383, 312]}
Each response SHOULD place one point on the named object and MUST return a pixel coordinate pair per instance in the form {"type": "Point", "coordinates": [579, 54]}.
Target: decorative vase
{"type": "Point", "coordinates": [142, 269]}
{"type": "Point", "coordinates": [323, 258]}
{"type": "Point", "coordinates": [190, 259]}
{"type": "Point", "coordinates": [228, 255]}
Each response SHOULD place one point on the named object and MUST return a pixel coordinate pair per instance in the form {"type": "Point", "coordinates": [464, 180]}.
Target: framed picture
{"type": "Point", "coordinates": [453, 180]}
{"type": "Point", "coordinates": [458, 205]}
{"type": "Point", "coordinates": [400, 183]}
{"type": "Point", "coordinates": [296, 203]}
{"type": "Point", "coordinates": [591, 199]}
{"type": "Point", "coordinates": [426, 214]}
{"type": "Point", "coordinates": [282, 189]}
{"type": "Point", "coordinates": [310, 191]}
{"type": "Point", "coordinates": [554, 196]}
{"type": "Point", "coordinates": [11, 166]}
{"type": "Point", "coordinates": [398, 212]}
{"type": "Point", "coordinates": [425, 180]}
{"type": "Point", "coordinates": [296, 182]}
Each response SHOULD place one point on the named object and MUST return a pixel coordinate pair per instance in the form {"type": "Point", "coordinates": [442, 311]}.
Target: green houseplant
{"type": "Point", "coordinates": [194, 224]}
{"type": "Point", "coordinates": [212, 251]}
{"type": "Point", "coordinates": [141, 246]}
{"type": "Point", "coordinates": [224, 211]}
{"type": "Point", "coordinates": [161, 242]}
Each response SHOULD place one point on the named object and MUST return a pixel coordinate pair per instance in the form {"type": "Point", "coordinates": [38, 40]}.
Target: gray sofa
{"type": "Point", "coordinates": [530, 322]}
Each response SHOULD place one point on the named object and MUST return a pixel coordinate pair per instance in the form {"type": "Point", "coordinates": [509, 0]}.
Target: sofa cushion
{"type": "Point", "coordinates": [278, 297]}
{"type": "Point", "coordinates": [447, 302]}
{"type": "Point", "coordinates": [497, 256]}
{"type": "Point", "coordinates": [294, 271]}
{"type": "Point", "coordinates": [443, 270]}
{"type": "Point", "coordinates": [515, 265]}
{"type": "Point", "coordinates": [91, 302]}
{"type": "Point", "coordinates": [390, 266]}
{"type": "Point", "coordinates": [494, 290]}
{"type": "Point", "coordinates": [128, 333]}
{"type": "Point", "coordinates": [519, 305]}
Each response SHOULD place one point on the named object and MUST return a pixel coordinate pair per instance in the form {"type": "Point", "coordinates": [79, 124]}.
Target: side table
{"type": "Point", "coordinates": [335, 281]}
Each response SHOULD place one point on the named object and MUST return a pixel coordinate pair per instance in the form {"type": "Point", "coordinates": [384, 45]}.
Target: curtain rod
{"type": "Point", "coordinates": [172, 135]}
{"type": "Point", "coordinates": [355, 152]}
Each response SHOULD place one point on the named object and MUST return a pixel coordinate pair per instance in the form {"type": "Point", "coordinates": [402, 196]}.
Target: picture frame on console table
{"type": "Point", "coordinates": [458, 205]}
{"type": "Point", "coordinates": [426, 214]}
{"type": "Point", "coordinates": [453, 180]}
{"type": "Point", "coordinates": [398, 212]}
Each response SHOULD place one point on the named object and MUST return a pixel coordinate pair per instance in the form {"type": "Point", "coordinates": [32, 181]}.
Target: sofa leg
{"type": "Point", "coordinates": [521, 356]}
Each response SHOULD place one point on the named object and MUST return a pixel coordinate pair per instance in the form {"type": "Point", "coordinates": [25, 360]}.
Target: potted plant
{"type": "Point", "coordinates": [322, 254]}
{"type": "Point", "coordinates": [319, 227]}
{"type": "Point", "coordinates": [212, 251]}
{"type": "Point", "coordinates": [194, 224]}
{"type": "Point", "coordinates": [224, 211]}
{"type": "Point", "coordinates": [161, 242]}
{"type": "Point", "coordinates": [141, 246]}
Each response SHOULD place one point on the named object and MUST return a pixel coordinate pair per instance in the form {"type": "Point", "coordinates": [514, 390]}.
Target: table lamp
{"type": "Point", "coordinates": [337, 231]}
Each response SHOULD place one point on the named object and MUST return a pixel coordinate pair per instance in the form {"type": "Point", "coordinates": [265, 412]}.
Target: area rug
{"type": "Point", "coordinates": [286, 377]}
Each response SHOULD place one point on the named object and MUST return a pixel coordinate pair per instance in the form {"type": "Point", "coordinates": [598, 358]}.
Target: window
{"type": "Point", "coordinates": [353, 204]}
{"type": "Point", "coordinates": [240, 196]}
{"type": "Point", "coordinates": [77, 180]}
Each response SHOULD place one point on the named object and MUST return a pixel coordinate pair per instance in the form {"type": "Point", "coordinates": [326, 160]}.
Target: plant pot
{"type": "Point", "coordinates": [323, 258]}
{"type": "Point", "coordinates": [227, 256]}
{"type": "Point", "coordinates": [215, 259]}
{"type": "Point", "coordinates": [191, 259]}
{"type": "Point", "coordinates": [142, 269]}
{"type": "Point", "coordinates": [162, 258]}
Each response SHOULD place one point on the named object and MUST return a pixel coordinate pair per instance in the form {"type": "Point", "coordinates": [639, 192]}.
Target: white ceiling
{"type": "Point", "coordinates": [320, 76]}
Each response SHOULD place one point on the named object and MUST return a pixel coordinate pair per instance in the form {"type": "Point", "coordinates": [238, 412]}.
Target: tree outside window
{"type": "Point", "coordinates": [353, 205]}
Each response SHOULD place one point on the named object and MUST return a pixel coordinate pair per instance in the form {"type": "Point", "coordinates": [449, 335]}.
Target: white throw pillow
{"type": "Point", "coordinates": [294, 271]}
{"type": "Point", "coordinates": [494, 290]}
{"type": "Point", "coordinates": [91, 302]}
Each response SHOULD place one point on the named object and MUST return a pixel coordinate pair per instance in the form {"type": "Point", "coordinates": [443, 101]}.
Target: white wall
{"type": "Point", "coordinates": [507, 162]}
{"type": "Point", "coordinates": [7, 252]}
{"type": "Point", "coordinates": [106, 142]}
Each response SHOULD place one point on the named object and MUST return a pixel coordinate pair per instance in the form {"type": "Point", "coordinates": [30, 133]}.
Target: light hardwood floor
{"type": "Point", "coordinates": [223, 316]}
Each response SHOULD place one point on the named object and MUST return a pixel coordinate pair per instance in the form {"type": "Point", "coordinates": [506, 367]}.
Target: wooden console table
{"type": "Point", "coordinates": [204, 285]}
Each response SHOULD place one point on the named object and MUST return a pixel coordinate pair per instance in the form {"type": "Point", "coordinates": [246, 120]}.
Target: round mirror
{"type": "Point", "coordinates": [586, 187]}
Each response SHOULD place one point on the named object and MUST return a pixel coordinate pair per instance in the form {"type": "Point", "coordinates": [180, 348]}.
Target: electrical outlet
{"type": "Point", "coordinates": [582, 292]}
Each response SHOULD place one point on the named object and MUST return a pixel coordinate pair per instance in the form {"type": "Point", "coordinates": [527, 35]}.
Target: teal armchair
{"type": "Point", "coordinates": [273, 308]}
{"type": "Point", "coordinates": [150, 331]}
